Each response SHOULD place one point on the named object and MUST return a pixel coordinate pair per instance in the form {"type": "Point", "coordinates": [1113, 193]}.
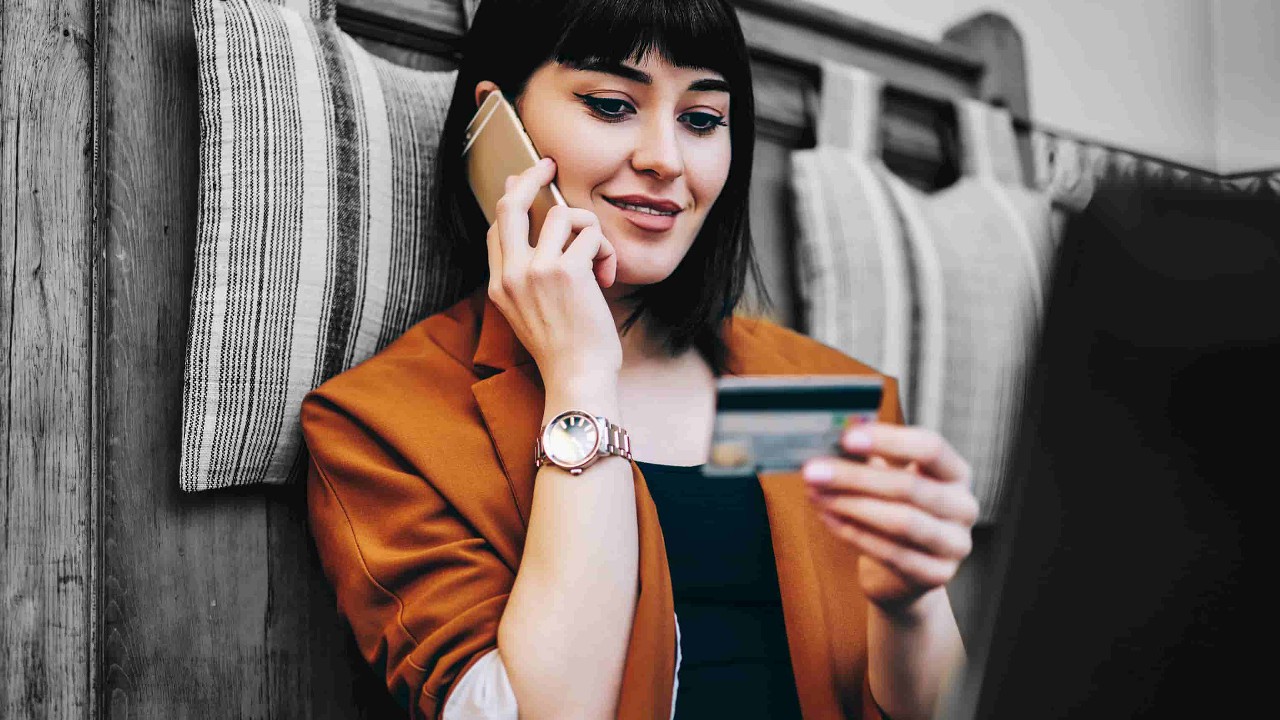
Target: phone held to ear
{"type": "Point", "coordinates": [496, 146]}
{"type": "Point", "coordinates": [771, 423]}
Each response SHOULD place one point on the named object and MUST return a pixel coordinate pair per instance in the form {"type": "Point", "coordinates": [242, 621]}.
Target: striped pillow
{"type": "Point", "coordinates": [314, 204]}
{"type": "Point", "coordinates": [856, 273]}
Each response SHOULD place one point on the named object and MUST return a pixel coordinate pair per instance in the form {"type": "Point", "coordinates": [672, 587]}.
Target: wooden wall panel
{"type": "Point", "coordinates": [214, 602]}
{"type": "Point", "coordinates": [47, 629]}
{"type": "Point", "coordinates": [184, 588]}
{"type": "Point", "coordinates": [791, 31]}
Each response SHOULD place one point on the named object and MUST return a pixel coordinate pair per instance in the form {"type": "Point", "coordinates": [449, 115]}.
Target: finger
{"type": "Point", "coordinates": [591, 246]}
{"type": "Point", "coordinates": [493, 243]}
{"type": "Point", "coordinates": [904, 444]}
{"type": "Point", "coordinates": [562, 221]}
{"type": "Point", "coordinates": [901, 523]}
{"type": "Point", "coordinates": [513, 209]}
{"type": "Point", "coordinates": [917, 568]}
{"type": "Point", "coordinates": [948, 501]}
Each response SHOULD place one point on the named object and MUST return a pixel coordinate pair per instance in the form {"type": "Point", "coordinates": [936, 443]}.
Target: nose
{"type": "Point", "coordinates": [659, 150]}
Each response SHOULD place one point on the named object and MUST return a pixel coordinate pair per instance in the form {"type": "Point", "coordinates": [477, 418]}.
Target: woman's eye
{"type": "Point", "coordinates": [607, 107]}
{"type": "Point", "coordinates": [614, 110]}
{"type": "Point", "coordinates": [705, 122]}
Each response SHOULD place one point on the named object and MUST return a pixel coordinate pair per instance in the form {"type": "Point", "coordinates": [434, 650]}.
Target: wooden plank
{"type": "Point", "coordinates": [214, 602]}
{"type": "Point", "coordinates": [444, 17]}
{"type": "Point", "coordinates": [430, 26]}
{"type": "Point", "coordinates": [47, 573]}
{"type": "Point", "coordinates": [776, 41]}
{"type": "Point", "coordinates": [406, 56]}
{"type": "Point", "coordinates": [957, 60]}
{"type": "Point", "coordinates": [181, 609]}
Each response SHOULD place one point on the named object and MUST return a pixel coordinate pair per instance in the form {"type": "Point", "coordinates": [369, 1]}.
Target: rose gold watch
{"type": "Point", "coordinates": [574, 439]}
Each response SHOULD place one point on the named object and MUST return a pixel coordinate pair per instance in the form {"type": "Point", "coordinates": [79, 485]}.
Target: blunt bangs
{"type": "Point", "coordinates": [691, 34]}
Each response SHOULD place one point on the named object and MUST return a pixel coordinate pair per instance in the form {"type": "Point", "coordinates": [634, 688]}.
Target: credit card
{"type": "Point", "coordinates": [776, 423]}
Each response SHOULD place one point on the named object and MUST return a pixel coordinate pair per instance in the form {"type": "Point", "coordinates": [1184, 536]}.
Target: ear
{"type": "Point", "coordinates": [483, 88]}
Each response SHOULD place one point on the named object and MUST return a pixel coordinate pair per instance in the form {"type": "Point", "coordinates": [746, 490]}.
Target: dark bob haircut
{"type": "Point", "coordinates": [507, 42]}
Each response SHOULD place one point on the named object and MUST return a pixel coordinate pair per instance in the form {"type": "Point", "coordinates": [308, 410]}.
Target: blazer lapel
{"type": "Point", "coordinates": [510, 397]}
{"type": "Point", "coordinates": [798, 547]}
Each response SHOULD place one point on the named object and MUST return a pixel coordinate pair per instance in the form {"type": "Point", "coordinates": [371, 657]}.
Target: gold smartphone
{"type": "Point", "coordinates": [495, 146]}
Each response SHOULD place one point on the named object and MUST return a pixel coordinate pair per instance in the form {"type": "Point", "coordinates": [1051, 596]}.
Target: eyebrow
{"type": "Point", "coordinates": [635, 75]}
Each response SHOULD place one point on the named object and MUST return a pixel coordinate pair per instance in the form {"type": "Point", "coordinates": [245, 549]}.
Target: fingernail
{"type": "Point", "coordinates": [818, 472]}
{"type": "Point", "coordinates": [857, 440]}
{"type": "Point", "coordinates": [546, 161]}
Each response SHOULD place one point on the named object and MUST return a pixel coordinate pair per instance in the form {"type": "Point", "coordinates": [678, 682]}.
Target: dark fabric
{"type": "Point", "coordinates": [734, 657]}
{"type": "Point", "coordinates": [1136, 566]}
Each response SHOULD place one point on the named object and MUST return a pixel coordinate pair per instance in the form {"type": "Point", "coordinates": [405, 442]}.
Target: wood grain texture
{"type": "Point", "coordinates": [45, 237]}
{"type": "Point", "coordinates": [47, 628]}
{"type": "Point", "coordinates": [214, 602]}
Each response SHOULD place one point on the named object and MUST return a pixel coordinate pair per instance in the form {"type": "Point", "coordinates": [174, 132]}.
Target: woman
{"type": "Point", "coordinates": [478, 590]}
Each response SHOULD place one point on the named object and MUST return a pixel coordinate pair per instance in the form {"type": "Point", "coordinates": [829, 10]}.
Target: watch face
{"type": "Point", "coordinates": [570, 439]}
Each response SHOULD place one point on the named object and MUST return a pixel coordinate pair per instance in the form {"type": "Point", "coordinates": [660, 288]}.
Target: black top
{"type": "Point", "coordinates": [734, 657]}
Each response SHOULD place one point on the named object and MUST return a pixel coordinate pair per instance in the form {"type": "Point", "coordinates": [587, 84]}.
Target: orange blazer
{"type": "Point", "coordinates": [420, 482]}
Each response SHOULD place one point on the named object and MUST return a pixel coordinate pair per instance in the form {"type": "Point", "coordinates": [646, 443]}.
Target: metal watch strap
{"type": "Point", "coordinates": [616, 442]}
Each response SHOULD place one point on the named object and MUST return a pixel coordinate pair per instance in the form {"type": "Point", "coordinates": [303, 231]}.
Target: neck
{"type": "Point", "coordinates": [641, 348]}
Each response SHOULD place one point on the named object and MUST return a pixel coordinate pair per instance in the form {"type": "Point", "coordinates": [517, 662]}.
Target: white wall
{"type": "Point", "coordinates": [1247, 70]}
{"type": "Point", "coordinates": [1138, 74]}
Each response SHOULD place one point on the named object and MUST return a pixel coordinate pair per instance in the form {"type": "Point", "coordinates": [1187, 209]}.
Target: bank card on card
{"type": "Point", "coordinates": [777, 423]}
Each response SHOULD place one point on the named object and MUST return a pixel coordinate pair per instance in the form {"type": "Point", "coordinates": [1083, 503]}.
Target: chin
{"type": "Point", "coordinates": [643, 265]}
{"type": "Point", "coordinates": [630, 275]}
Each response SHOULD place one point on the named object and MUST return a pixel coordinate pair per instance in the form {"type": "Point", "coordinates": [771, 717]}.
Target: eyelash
{"type": "Point", "coordinates": [596, 103]}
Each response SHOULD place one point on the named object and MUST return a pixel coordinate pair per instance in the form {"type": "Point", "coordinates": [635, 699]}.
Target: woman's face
{"type": "Point", "coordinates": [651, 130]}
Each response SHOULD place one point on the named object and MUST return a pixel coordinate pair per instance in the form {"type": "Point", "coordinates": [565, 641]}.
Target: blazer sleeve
{"type": "Point", "coordinates": [421, 590]}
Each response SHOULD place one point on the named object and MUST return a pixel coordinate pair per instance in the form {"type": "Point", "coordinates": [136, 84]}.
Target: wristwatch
{"type": "Point", "coordinates": [574, 439]}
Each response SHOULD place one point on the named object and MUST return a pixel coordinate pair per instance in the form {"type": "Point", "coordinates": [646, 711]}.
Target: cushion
{"type": "Point", "coordinates": [855, 279]}
{"type": "Point", "coordinates": [314, 202]}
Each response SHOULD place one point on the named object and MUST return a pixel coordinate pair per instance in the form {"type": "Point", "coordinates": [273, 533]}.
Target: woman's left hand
{"type": "Point", "coordinates": [907, 508]}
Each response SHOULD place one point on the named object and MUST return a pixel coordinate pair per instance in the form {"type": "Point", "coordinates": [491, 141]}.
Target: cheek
{"type": "Point", "coordinates": [708, 169]}
{"type": "Point", "coordinates": [583, 155]}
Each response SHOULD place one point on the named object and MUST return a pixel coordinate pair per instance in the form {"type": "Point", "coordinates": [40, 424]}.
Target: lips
{"type": "Point", "coordinates": [659, 204]}
{"type": "Point", "coordinates": [645, 219]}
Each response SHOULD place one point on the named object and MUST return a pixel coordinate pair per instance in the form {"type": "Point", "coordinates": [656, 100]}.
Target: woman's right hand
{"type": "Point", "coordinates": [549, 294]}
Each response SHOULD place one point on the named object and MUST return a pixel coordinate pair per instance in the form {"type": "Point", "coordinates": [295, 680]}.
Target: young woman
{"type": "Point", "coordinates": [480, 582]}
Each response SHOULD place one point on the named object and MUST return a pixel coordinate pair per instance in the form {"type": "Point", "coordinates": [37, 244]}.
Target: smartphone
{"type": "Point", "coordinates": [777, 423]}
{"type": "Point", "coordinates": [495, 146]}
